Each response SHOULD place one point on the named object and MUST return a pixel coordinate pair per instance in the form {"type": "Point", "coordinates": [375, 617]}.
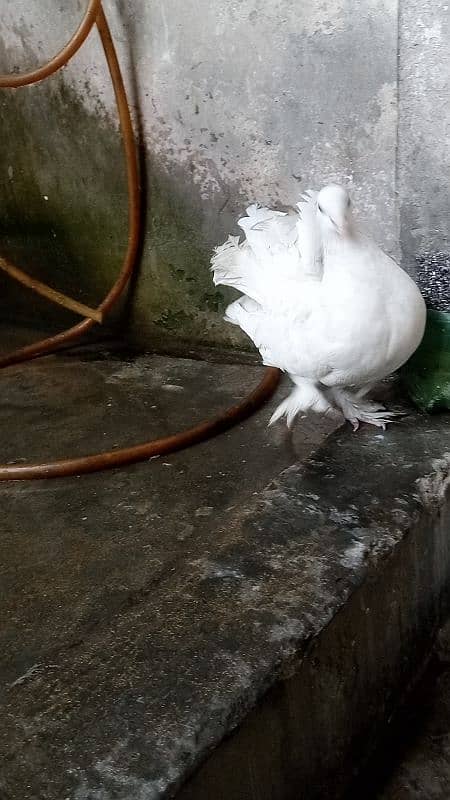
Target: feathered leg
{"type": "Point", "coordinates": [305, 397]}
{"type": "Point", "coordinates": [355, 409]}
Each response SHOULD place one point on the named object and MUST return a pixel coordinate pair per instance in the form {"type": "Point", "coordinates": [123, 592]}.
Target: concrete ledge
{"type": "Point", "coordinates": [359, 650]}
{"type": "Point", "coordinates": [168, 631]}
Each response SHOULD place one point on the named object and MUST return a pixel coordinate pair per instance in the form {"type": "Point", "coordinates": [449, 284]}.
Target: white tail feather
{"type": "Point", "coordinates": [268, 232]}
{"type": "Point", "coordinates": [233, 264]}
{"type": "Point", "coordinates": [244, 312]}
{"type": "Point", "coordinates": [308, 235]}
{"type": "Point", "coordinates": [280, 251]}
{"type": "Point", "coordinates": [268, 258]}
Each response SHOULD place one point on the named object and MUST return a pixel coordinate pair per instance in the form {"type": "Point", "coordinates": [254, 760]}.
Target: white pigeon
{"type": "Point", "coordinates": [323, 303]}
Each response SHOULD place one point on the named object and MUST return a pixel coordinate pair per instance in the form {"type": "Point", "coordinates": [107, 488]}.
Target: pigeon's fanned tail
{"type": "Point", "coordinates": [233, 265]}
{"type": "Point", "coordinates": [268, 233]}
{"type": "Point", "coordinates": [268, 257]}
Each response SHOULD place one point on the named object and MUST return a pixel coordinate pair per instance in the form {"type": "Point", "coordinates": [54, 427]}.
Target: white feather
{"type": "Point", "coordinates": [309, 236]}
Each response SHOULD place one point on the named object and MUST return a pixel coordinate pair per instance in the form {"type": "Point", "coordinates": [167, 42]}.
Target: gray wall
{"type": "Point", "coordinates": [424, 129]}
{"type": "Point", "coordinates": [233, 102]}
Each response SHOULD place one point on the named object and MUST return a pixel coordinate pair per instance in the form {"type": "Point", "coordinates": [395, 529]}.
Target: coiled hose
{"type": "Point", "coordinates": [128, 455]}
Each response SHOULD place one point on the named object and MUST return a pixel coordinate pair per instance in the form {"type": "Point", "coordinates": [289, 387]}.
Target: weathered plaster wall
{"type": "Point", "coordinates": [233, 102]}
{"type": "Point", "coordinates": [424, 130]}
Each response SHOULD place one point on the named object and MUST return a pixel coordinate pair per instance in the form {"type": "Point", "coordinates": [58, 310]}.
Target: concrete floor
{"type": "Point", "coordinates": [210, 624]}
{"type": "Point", "coordinates": [78, 554]}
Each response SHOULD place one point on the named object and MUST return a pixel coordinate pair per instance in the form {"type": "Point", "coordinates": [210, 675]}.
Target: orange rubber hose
{"type": "Point", "coordinates": [140, 452]}
{"type": "Point", "coordinates": [16, 81]}
{"type": "Point", "coordinates": [50, 294]}
{"type": "Point", "coordinates": [52, 343]}
{"type": "Point", "coordinates": [157, 447]}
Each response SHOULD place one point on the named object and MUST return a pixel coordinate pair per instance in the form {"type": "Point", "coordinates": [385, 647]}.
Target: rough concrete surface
{"type": "Point", "coordinates": [83, 556]}
{"type": "Point", "coordinates": [150, 612]}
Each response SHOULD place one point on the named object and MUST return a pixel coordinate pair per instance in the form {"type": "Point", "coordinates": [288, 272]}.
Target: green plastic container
{"type": "Point", "coordinates": [427, 373]}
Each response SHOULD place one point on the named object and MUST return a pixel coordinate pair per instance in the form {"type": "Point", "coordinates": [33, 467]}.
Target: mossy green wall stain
{"type": "Point", "coordinates": [52, 147]}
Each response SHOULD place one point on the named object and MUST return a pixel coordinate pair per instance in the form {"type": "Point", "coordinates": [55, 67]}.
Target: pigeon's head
{"type": "Point", "coordinates": [334, 210]}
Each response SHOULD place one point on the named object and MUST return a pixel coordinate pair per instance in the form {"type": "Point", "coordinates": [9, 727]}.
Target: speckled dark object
{"type": "Point", "coordinates": [433, 277]}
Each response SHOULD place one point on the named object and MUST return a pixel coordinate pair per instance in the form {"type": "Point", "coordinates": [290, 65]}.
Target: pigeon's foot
{"type": "Point", "coordinates": [356, 410]}
{"type": "Point", "coordinates": [378, 418]}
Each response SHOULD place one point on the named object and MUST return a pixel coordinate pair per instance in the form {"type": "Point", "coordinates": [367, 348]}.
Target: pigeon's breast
{"type": "Point", "coordinates": [374, 318]}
